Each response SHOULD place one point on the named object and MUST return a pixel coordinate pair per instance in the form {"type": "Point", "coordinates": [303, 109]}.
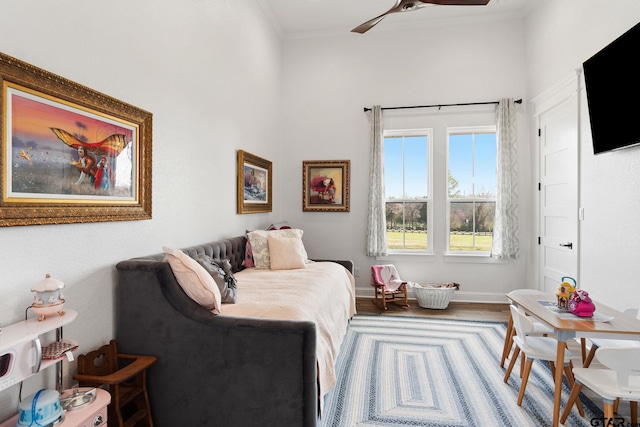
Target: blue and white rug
{"type": "Point", "coordinates": [414, 371]}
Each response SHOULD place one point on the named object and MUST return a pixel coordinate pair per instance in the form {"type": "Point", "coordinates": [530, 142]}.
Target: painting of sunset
{"type": "Point", "coordinates": [55, 151]}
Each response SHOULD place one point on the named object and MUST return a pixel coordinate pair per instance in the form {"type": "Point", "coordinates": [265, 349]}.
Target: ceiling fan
{"type": "Point", "coordinates": [411, 5]}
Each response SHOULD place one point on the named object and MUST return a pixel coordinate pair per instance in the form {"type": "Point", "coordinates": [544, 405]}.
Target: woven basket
{"type": "Point", "coordinates": [433, 297]}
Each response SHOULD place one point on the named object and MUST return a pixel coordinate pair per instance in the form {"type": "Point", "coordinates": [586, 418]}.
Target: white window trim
{"type": "Point", "coordinates": [428, 132]}
{"type": "Point", "coordinates": [463, 256]}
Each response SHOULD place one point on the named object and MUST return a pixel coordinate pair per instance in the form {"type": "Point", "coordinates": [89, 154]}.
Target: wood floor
{"type": "Point", "coordinates": [456, 310]}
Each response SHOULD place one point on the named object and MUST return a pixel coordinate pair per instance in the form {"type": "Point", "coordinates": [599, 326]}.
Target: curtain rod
{"type": "Point", "coordinates": [518, 101]}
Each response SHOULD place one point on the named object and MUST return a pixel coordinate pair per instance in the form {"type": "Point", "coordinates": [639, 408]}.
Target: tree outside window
{"type": "Point", "coordinates": [471, 188]}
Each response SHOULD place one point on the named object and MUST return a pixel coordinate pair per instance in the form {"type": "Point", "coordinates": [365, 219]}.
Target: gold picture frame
{"type": "Point", "coordinates": [325, 185]}
{"type": "Point", "coordinates": [254, 184]}
{"type": "Point", "coordinates": [69, 154]}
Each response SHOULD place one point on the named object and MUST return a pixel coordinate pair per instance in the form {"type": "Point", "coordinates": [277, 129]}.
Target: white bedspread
{"type": "Point", "coordinates": [323, 293]}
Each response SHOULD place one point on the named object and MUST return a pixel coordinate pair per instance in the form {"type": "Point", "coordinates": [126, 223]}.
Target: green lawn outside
{"type": "Point", "coordinates": [418, 240]}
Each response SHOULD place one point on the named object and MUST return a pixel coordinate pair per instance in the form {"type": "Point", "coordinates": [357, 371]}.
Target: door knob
{"type": "Point", "coordinates": [567, 245]}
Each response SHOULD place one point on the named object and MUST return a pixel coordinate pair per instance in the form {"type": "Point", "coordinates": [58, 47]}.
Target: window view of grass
{"type": "Point", "coordinates": [460, 241]}
{"type": "Point", "coordinates": [465, 241]}
{"type": "Point", "coordinates": [412, 241]}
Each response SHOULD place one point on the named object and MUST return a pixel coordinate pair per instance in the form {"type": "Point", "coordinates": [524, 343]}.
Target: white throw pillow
{"type": "Point", "coordinates": [260, 245]}
{"type": "Point", "coordinates": [286, 253]}
{"type": "Point", "coordinates": [194, 279]}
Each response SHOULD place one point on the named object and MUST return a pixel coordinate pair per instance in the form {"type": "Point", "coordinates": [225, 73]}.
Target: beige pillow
{"type": "Point", "coordinates": [286, 253]}
{"type": "Point", "coordinates": [260, 245]}
{"type": "Point", "coordinates": [194, 279]}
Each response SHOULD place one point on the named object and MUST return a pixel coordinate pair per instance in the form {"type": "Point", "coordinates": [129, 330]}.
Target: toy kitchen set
{"type": "Point", "coordinates": [22, 355]}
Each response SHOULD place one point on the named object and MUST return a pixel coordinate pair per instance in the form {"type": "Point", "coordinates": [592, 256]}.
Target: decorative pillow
{"type": "Point", "coordinates": [194, 279]}
{"type": "Point", "coordinates": [260, 245]}
{"type": "Point", "coordinates": [248, 254]}
{"type": "Point", "coordinates": [286, 253]}
{"type": "Point", "coordinates": [283, 225]}
{"type": "Point", "coordinates": [220, 270]}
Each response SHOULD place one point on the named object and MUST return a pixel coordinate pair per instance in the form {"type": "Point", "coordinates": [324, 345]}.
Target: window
{"type": "Point", "coordinates": [407, 173]}
{"type": "Point", "coordinates": [471, 182]}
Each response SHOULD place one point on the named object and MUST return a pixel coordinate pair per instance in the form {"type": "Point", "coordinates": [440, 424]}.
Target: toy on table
{"type": "Point", "coordinates": [565, 290]}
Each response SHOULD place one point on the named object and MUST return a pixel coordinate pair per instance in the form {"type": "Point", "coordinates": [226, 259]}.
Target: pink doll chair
{"type": "Point", "coordinates": [388, 285]}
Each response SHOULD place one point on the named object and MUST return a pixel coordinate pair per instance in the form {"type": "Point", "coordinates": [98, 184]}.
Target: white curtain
{"type": "Point", "coordinates": [505, 230]}
{"type": "Point", "coordinates": [377, 221]}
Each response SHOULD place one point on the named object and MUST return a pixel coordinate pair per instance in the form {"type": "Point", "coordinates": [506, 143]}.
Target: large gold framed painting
{"type": "Point", "coordinates": [69, 154]}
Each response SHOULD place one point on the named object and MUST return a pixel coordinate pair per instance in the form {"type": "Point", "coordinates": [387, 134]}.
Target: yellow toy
{"type": "Point", "coordinates": [565, 290]}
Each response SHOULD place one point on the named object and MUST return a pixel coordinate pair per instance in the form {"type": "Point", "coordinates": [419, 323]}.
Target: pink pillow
{"type": "Point", "coordinates": [194, 279]}
{"type": "Point", "coordinates": [286, 253]}
{"type": "Point", "coordinates": [284, 225]}
{"type": "Point", "coordinates": [248, 254]}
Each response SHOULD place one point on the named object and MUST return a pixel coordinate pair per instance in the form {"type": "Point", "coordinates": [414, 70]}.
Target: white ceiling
{"type": "Point", "coordinates": [299, 18]}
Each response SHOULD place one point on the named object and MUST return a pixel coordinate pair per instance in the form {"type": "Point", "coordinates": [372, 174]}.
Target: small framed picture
{"type": "Point", "coordinates": [325, 185]}
{"type": "Point", "coordinates": [254, 184]}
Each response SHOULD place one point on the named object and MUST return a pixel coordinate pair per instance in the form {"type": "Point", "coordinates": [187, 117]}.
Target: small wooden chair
{"type": "Point", "coordinates": [125, 374]}
{"type": "Point", "coordinates": [387, 284]}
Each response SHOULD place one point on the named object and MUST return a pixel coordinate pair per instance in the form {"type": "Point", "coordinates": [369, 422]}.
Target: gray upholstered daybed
{"type": "Point", "coordinates": [219, 370]}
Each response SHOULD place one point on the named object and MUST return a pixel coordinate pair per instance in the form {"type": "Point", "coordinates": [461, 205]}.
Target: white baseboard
{"type": "Point", "coordinates": [461, 296]}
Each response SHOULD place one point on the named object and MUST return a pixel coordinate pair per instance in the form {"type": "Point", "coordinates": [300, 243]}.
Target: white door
{"type": "Point", "coordinates": [558, 192]}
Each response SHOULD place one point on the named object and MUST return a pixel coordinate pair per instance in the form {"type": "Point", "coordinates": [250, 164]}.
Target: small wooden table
{"type": "Point", "coordinates": [537, 304]}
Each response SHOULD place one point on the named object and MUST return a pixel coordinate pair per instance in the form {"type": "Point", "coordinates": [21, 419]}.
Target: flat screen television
{"type": "Point", "coordinates": [612, 83]}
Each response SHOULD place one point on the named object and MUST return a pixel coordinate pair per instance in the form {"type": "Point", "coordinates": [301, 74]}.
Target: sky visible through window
{"type": "Point", "coordinates": [472, 162]}
{"type": "Point", "coordinates": [472, 168]}
{"type": "Point", "coordinates": [415, 165]}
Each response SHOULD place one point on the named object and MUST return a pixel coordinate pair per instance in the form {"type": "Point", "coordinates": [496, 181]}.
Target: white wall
{"type": "Point", "coordinates": [327, 83]}
{"type": "Point", "coordinates": [561, 35]}
{"type": "Point", "coordinates": [210, 73]}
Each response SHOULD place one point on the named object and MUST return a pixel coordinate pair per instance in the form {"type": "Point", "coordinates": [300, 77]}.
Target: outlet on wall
{"type": "Point", "coordinates": [356, 272]}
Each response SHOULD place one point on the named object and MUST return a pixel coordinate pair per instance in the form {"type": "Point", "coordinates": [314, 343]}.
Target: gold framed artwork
{"type": "Point", "coordinates": [69, 154]}
{"type": "Point", "coordinates": [254, 184]}
{"type": "Point", "coordinates": [325, 185]}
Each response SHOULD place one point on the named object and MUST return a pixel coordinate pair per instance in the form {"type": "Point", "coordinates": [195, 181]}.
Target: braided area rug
{"type": "Point", "coordinates": [414, 371]}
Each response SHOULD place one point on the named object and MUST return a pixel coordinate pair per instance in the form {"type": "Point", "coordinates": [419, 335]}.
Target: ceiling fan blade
{"type": "Point", "coordinates": [457, 2]}
{"type": "Point", "coordinates": [411, 5]}
{"type": "Point", "coordinates": [363, 28]}
{"type": "Point", "coordinates": [400, 6]}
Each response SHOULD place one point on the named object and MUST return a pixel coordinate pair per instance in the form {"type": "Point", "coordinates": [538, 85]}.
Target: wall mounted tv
{"type": "Point", "coordinates": [612, 83]}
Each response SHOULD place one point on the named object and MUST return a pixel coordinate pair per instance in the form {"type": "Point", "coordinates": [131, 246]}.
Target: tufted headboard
{"type": "Point", "coordinates": [232, 249]}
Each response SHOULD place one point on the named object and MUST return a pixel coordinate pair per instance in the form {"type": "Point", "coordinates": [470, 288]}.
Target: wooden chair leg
{"type": "Point", "coordinates": [616, 404]}
{"type": "Point", "coordinates": [512, 362]}
{"type": "Point", "coordinates": [525, 378]}
{"type": "Point", "coordinates": [583, 349]}
{"type": "Point", "coordinates": [573, 397]}
{"type": "Point", "coordinates": [608, 414]}
{"type": "Point", "coordinates": [508, 342]}
{"type": "Point", "coordinates": [406, 297]}
{"type": "Point", "coordinates": [569, 374]}
{"type": "Point", "coordinates": [590, 356]}
{"type": "Point", "coordinates": [633, 411]}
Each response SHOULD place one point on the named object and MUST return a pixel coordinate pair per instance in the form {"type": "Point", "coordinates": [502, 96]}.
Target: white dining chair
{"type": "Point", "coordinates": [596, 343]}
{"type": "Point", "coordinates": [620, 381]}
{"type": "Point", "coordinates": [539, 328]}
{"type": "Point", "coordinates": [534, 347]}
{"type": "Point", "coordinates": [606, 342]}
